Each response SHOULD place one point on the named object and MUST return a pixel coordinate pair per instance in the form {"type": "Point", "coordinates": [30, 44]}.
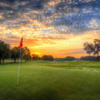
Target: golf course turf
{"type": "Point", "coordinates": [50, 80]}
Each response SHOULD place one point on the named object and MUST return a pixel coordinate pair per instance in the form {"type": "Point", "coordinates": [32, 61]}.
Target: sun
{"type": "Point", "coordinates": [36, 53]}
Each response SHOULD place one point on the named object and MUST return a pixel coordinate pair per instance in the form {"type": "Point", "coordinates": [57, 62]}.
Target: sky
{"type": "Point", "coordinates": [50, 27]}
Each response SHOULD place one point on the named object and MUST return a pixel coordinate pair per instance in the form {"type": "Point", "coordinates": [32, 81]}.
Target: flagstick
{"type": "Point", "coordinates": [19, 68]}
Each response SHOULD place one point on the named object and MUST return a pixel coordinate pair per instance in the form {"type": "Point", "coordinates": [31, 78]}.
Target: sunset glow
{"type": "Point", "coordinates": [36, 53]}
{"type": "Point", "coordinates": [50, 27]}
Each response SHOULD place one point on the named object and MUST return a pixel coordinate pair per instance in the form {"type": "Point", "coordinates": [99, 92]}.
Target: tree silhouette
{"type": "Point", "coordinates": [15, 53]}
{"type": "Point", "coordinates": [96, 47]}
{"type": "Point", "coordinates": [4, 51]}
{"type": "Point", "coordinates": [35, 57]}
{"type": "Point", "coordinates": [7, 52]}
{"type": "Point", "coordinates": [26, 54]}
{"type": "Point", "coordinates": [88, 47]}
{"type": "Point", "coordinates": [47, 57]}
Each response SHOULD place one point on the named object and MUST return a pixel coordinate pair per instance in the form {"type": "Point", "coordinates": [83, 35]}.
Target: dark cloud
{"type": "Point", "coordinates": [8, 13]}
{"type": "Point", "coordinates": [79, 4]}
{"type": "Point", "coordinates": [6, 8]}
{"type": "Point", "coordinates": [23, 22]}
{"type": "Point", "coordinates": [76, 5]}
{"type": "Point", "coordinates": [63, 8]}
{"type": "Point", "coordinates": [75, 17]}
{"type": "Point", "coordinates": [47, 13]}
{"type": "Point", "coordinates": [13, 1]}
{"type": "Point", "coordinates": [82, 3]}
{"type": "Point", "coordinates": [69, 14]}
{"type": "Point", "coordinates": [1, 21]}
{"type": "Point", "coordinates": [11, 15]}
{"type": "Point", "coordinates": [11, 5]}
{"type": "Point", "coordinates": [35, 16]}
{"type": "Point", "coordinates": [34, 4]}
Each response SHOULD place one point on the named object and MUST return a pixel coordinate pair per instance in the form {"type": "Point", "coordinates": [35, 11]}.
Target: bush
{"type": "Point", "coordinates": [69, 58]}
{"type": "Point", "coordinates": [47, 57]}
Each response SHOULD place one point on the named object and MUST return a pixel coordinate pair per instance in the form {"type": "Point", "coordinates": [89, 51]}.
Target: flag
{"type": "Point", "coordinates": [21, 43]}
{"type": "Point", "coordinates": [20, 46]}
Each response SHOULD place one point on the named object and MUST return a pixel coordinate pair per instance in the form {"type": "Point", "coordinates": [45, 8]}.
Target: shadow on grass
{"type": "Point", "coordinates": [7, 63]}
{"type": "Point", "coordinates": [45, 94]}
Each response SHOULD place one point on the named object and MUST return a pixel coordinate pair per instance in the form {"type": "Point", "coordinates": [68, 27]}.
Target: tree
{"type": "Point", "coordinates": [69, 58]}
{"type": "Point", "coordinates": [96, 47]}
{"type": "Point", "coordinates": [1, 50]}
{"type": "Point", "coordinates": [35, 57]}
{"type": "Point", "coordinates": [27, 57]}
{"type": "Point", "coordinates": [47, 57]}
{"type": "Point", "coordinates": [50, 57]}
{"type": "Point", "coordinates": [4, 51]}
{"type": "Point", "coordinates": [26, 54]}
{"type": "Point", "coordinates": [7, 52]}
{"type": "Point", "coordinates": [15, 53]}
{"type": "Point", "coordinates": [88, 47]}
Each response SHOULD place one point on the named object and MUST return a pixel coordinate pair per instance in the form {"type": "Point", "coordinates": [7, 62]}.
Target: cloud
{"type": "Point", "coordinates": [76, 22]}
{"type": "Point", "coordinates": [66, 17]}
{"type": "Point", "coordinates": [94, 24]}
{"type": "Point", "coordinates": [77, 52]}
{"type": "Point", "coordinates": [32, 4]}
{"type": "Point", "coordinates": [75, 15]}
{"type": "Point", "coordinates": [72, 51]}
{"type": "Point", "coordinates": [53, 38]}
{"type": "Point", "coordinates": [12, 8]}
{"type": "Point", "coordinates": [63, 8]}
{"type": "Point", "coordinates": [10, 15]}
{"type": "Point", "coordinates": [85, 3]}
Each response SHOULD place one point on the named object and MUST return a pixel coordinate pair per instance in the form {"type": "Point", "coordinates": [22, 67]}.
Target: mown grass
{"type": "Point", "coordinates": [50, 80]}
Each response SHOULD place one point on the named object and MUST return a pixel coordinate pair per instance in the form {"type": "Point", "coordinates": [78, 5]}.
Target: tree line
{"type": "Point", "coordinates": [6, 52]}
{"type": "Point", "coordinates": [68, 58]}
{"type": "Point", "coordinates": [90, 58]}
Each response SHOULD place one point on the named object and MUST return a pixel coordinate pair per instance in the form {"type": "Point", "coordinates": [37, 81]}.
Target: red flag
{"type": "Point", "coordinates": [21, 43]}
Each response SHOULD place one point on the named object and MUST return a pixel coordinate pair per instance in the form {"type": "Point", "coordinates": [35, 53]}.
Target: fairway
{"type": "Point", "coordinates": [50, 80]}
